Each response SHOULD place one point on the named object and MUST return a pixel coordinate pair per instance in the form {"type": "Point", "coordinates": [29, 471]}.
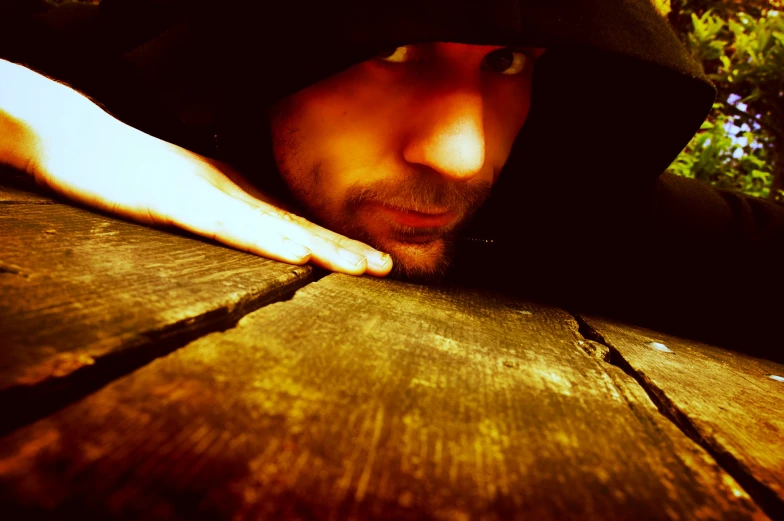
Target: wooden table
{"type": "Point", "coordinates": [149, 375]}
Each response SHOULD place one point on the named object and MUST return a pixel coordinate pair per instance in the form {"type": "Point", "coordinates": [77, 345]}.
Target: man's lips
{"type": "Point", "coordinates": [437, 218]}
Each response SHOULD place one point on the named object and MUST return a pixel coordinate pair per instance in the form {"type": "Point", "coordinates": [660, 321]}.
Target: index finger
{"type": "Point", "coordinates": [257, 228]}
{"type": "Point", "coordinates": [378, 262]}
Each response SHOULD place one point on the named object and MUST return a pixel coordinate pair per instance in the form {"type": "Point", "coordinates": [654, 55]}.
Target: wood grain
{"type": "Point", "coordinates": [726, 400]}
{"type": "Point", "coordinates": [77, 288]}
{"type": "Point", "coordinates": [370, 399]}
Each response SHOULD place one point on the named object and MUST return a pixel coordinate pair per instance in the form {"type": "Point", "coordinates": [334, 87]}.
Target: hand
{"type": "Point", "coordinates": [111, 166]}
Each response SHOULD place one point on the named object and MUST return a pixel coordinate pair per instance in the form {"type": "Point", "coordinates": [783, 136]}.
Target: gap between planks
{"type": "Point", "coordinates": [22, 405]}
{"type": "Point", "coordinates": [599, 347]}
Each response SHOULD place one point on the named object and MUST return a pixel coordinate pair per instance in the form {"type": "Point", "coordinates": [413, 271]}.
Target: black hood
{"type": "Point", "coordinates": [615, 98]}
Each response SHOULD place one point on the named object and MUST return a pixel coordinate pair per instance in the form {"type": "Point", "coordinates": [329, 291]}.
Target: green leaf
{"type": "Point", "coordinates": [699, 27]}
{"type": "Point", "coordinates": [763, 37]}
{"type": "Point", "coordinates": [742, 55]}
{"type": "Point", "coordinates": [755, 95]}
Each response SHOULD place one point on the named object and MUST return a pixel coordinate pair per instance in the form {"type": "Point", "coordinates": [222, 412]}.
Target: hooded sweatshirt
{"type": "Point", "coordinates": [582, 215]}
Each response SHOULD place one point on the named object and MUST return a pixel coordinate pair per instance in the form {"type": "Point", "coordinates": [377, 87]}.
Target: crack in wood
{"type": "Point", "coordinates": [595, 349]}
{"type": "Point", "coordinates": [763, 496]}
{"type": "Point", "coordinates": [23, 404]}
{"type": "Point", "coordinates": [12, 269]}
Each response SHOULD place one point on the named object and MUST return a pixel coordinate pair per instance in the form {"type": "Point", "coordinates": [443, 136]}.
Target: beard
{"type": "Point", "coordinates": [421, 255]}
{"type": "Point", "coordinates": [415, 259]}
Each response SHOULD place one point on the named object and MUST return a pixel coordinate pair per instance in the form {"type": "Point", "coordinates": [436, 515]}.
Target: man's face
{"type": "Point", "coordinates": [400, 150]}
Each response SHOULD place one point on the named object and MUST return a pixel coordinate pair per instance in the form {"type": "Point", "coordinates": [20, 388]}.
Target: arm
{"type": "Point", "coordinates": [671, 254]}
{"type": "Point", "coordinates": [73, 147]}
{"type": "Point", "coordinates": [723, 255]}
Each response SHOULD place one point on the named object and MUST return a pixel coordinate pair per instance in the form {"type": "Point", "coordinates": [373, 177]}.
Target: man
{"type": "Point", "coordinates": [388, 124]}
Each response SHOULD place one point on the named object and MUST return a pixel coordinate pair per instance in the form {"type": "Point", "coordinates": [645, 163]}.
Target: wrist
{"type": "Point", "coordinates": [35, 112]}
{"type": "Point", "coordinates": [19, 145]}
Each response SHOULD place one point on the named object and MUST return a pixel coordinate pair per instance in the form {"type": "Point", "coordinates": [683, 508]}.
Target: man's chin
{"type": "Point", "coordinates": [419, 261]}
{"type": "Point", "coordinates": [423, 257]}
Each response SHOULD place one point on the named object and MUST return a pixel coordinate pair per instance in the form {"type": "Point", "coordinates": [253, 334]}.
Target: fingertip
{"type": "Point", "coordinates": [300, 261]}
{"type": "Point", "coordinates": [297, 253]}
{"type": "Point", "coordinates": [352, 263]}
{"type": "Point", "coordinates": [382, 266]}
{"type": "Point", "coordinates": [357, 268]}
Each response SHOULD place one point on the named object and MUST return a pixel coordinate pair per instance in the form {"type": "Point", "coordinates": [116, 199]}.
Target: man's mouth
{"type": "Point", "coordinates": [427, 221]}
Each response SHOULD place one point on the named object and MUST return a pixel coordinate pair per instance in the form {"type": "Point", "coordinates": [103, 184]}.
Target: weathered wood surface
{"type": "Point", "coordinates": [732, 403]}
{"type": "Point", "coordinates": [371, 399]}
{"type": "Point", "coordinates": [77, 286]}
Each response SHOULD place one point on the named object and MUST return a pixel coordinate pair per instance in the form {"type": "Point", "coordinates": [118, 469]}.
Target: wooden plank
{"type": "Point", "coordinates": [371, 399]}
{"type": "Point", "coordinates": [732, 403]}
{"type": "Point", "coordinates": [79, 289]}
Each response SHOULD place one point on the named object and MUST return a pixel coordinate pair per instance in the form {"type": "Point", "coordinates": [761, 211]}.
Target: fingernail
{"type": "Point", "coordinates": [378, 259]}
{"type": "Point", "coordinates": [352, 257]}
{"type": "Point", "coordinates": [296, 250]}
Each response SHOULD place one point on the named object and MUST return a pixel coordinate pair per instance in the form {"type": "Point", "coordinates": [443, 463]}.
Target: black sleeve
{"type": "Point", "coordinates": [672, 254]}
{"type": "Point", "coordinates": [84, 45]}
{"type": "Point", "coordinates": [66, 43]}
{"type": "Point", "coordinates": [715, 261]}
{"type": "Point", "coordinates": [685, 258]}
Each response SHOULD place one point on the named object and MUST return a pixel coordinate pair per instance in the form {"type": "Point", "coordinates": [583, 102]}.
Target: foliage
{"type": "Point", "coordinates": [740, 44]}
{"type": "Point", "coordinates": [716, 156]}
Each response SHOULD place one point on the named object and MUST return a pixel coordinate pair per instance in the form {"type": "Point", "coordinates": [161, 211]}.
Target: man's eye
{"type": "Point", "coordinates": [396, 55]}
{"type": "Point", "coordinates": [506, 61]}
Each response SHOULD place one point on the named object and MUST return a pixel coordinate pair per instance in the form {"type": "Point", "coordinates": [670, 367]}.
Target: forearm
{"type": "Point", "coordinates": [37, 112]}
{"type": "Point", "coordinates": [19, 142]}
{"type": "Point", "coordinates": [72, 145]}
{"type": "Point", "coordinates": [716, 258]}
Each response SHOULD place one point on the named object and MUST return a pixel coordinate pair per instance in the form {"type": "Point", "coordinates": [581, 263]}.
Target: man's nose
{"type": "Point", "coordinates": [447, 135]}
